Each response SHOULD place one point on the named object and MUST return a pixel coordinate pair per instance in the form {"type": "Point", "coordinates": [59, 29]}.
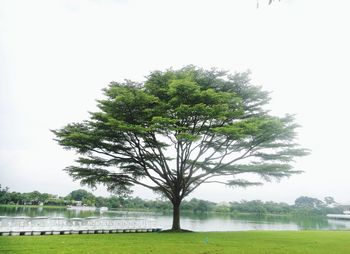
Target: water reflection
{"type": "Point", "coordinates": [192, 221]}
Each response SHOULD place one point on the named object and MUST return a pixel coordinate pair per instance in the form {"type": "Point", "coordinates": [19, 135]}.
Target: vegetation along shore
{"type": "Point", "coordinates": [302, 205]}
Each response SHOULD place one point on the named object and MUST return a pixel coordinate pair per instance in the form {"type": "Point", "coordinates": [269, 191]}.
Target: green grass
{"type": "Point", "coordinates": [269, 242]}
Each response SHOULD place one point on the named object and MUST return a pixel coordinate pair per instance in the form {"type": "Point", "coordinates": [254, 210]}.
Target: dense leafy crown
{"type": "Point", "coordinates": [179, 129]}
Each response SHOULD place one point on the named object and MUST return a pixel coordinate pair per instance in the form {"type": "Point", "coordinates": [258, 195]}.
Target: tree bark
{"type": "Point", "coordinates": [176, 217]}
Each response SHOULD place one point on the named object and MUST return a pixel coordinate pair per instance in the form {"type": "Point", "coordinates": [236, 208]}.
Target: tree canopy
{"type": "Point", "coordinates": [178, 130]}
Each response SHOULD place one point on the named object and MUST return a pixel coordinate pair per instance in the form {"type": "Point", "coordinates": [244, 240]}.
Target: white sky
{"type": "Point", "coordinates": [56, 56]}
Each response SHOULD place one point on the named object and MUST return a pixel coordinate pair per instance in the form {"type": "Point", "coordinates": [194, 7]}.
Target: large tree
{"type": "Point", "coordinates": [178, 130]}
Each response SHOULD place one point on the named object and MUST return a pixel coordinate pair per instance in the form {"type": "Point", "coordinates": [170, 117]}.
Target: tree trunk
{"type": "Point", "coordinates": [176, 217]}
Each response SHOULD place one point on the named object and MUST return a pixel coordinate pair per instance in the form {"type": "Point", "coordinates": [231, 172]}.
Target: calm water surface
{"type": "Point", "coordinates": [196, 222]}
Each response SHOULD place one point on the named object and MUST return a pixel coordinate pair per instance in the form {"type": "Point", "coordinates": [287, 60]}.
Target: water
{"type": "Point", "coordinates": [192, 221]}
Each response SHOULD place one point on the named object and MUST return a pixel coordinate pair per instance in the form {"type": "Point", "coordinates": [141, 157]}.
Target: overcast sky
{"type": "Point", "coordinates": [56, 56]}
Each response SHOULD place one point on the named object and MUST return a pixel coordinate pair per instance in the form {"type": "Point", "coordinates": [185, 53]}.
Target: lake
{"type": "Point", "coordinates": [195, 221]}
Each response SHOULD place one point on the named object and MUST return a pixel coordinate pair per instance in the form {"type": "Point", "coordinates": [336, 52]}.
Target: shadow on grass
{"type": "Point", "coordinates": [176, 231]}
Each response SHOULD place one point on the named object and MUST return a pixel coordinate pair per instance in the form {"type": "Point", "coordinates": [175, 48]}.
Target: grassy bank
{"type": "Point", "coordinates": [293, 242]}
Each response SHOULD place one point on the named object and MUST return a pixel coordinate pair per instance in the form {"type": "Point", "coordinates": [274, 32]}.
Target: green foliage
{"type": "Point", "coordinates": [308, 202]}
{"type": "Point", "coordinates": [309, 206]}
{"type": "Point", "coordinates": [198, 206]}
{"type": "Point", "coordinates": [259, 207]}
{"type": "Point", "coordinates": [4, 195]}
{"type": "Point", "coordinates": [30, 198]}
{"type": "Point", "coordinates": [80, 195]}
{"type": "Point", "coordinates": [178, 130]}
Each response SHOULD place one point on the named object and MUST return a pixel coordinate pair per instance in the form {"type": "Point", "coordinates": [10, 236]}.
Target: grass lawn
{"type": "Point", "coordinates": [268, 242]}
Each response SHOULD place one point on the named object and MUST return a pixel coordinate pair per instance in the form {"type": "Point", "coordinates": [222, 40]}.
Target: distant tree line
{"type": "Point", "coordinates": [30, 198]}
{"type": "Point", "coordinates": [302, 205]}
